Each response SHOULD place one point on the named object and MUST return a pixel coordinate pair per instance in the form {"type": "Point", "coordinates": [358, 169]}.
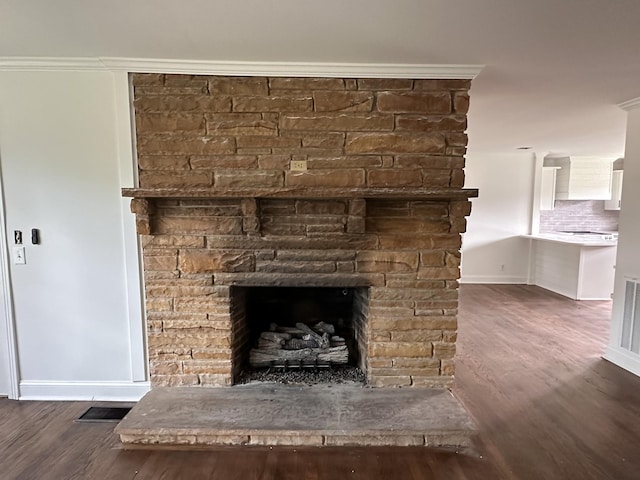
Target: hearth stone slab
{"type": "Point", "coordinates": [275, 414]}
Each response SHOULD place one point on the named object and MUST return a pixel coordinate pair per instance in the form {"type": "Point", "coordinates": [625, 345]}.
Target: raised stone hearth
{"type": "Point", "coordinates": [351, 184]}
{"type": "Point", "coordinates": [262, 414]}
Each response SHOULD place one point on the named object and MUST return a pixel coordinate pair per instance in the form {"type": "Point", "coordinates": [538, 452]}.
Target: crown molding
{"type": "Point", "coordinates": [295, 69]}
{"type": "Point", "coordinates": [49, 63]}
{"type": "Point", "coordinates": [630, 104]}
{"type": "Point", "coordinates": [289, 69]}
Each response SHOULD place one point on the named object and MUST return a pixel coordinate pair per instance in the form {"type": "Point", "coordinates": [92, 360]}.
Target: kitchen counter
{"type": "Point", "coordinates": [587, 240]}
{"type": "Point", "coordinates": [577, 266]}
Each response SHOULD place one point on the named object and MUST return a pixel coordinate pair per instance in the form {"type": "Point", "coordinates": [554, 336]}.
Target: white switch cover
{"type": "Point", "coordinates": [18, 256]}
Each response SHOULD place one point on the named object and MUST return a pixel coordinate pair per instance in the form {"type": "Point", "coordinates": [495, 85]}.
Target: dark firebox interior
{"type": "Point", "coordinates": [286, 306]}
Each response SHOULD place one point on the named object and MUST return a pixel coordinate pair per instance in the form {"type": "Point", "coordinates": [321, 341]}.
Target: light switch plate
{"type": "Point", "coordinates": [18, 256]}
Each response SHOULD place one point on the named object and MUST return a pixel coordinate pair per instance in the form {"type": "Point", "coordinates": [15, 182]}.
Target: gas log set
{"type": "Point", "coordinates": [299, 347]}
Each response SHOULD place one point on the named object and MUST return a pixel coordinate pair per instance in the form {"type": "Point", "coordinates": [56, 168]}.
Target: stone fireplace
{"type": "Point", "coordinates": [254, 187]}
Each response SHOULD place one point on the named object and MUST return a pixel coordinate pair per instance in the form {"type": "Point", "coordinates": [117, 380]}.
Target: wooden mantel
{"type": "Point", "coordinates": [144, 199]}
{"type": "Point", "coordinates": [397, 193]}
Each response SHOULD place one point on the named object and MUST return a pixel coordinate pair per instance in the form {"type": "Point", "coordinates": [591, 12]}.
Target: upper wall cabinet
{"type": "Point", "coordinates": [582, 178]}
{"type": "Point", "coordinates": [616, 192]}
{"type": "Point", "coordinates": [548, 188]}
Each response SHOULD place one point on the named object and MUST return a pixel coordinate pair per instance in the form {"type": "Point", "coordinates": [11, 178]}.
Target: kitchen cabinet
{"type": "Point", "coordinates": [580, 267]}
{"type": "Point", "coordinates": [616, 191]}
{"type": "Point", "coordinates": [548, 188]}
{"type": "Point", "coordinates": [583, 178]}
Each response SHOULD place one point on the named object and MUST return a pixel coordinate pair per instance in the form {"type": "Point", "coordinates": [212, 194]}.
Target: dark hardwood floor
{"type": "Point", "coordinates": [528, 370]}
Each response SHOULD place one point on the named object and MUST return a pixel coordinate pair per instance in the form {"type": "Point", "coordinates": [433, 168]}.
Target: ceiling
{"type": "Point", "coordinates": [554, 70]}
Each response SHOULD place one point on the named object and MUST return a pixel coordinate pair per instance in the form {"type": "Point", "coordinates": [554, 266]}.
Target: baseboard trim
{"type": "Point", "coordinates": [623, 359]}
{"type": "Point", "coordinates": [83, 391]}
{"type": "Point", "coordinates": [507, 279]}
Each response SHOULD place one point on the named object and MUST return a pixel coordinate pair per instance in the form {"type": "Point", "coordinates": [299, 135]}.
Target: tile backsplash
{"type": "Point", "coordinates": [579, 215]}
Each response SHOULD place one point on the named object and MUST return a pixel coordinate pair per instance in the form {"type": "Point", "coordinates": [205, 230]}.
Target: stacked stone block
{"type": "Point", "coordinates": [225, 133]}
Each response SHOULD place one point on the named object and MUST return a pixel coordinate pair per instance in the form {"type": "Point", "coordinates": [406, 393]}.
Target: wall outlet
{"type": "Point", "coordinates": [18, 256]}
{"type": "Point", "coordinates": [298, 165]}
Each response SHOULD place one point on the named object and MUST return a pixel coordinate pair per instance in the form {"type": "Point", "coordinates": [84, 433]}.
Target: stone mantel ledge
{"type": "Point", "coordinates": [317, 193]}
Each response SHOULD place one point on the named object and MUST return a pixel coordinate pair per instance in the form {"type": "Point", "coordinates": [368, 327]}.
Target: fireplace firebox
{"type": "Point", "coordinates": [284, 328]}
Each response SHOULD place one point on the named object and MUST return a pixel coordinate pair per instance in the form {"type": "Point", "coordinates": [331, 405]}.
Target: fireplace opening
{"type": "Point", "coordinates": [299, 334]}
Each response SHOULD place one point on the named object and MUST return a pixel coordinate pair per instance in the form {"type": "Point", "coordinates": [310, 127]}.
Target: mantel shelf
{"type": "Point", "coordinates": [316, 193]}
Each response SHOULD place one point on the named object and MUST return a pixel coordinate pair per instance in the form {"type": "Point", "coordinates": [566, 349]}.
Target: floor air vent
{"type": "Point", "coordinates": [104, 414]}
{"type": "Point", "coordinates": [630, 339]}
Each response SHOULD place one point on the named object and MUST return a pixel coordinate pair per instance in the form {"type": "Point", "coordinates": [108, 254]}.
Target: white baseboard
{"type": "Point", "coordinates": [83, 391]}
{"type": "Point", "coordinates": [624, 359]}
{"type": "Point", "coordinates": [493, 279]}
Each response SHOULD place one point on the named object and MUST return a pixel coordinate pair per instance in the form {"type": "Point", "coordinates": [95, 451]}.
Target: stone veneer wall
{"type": "Point", "coordinates": [235, 132]}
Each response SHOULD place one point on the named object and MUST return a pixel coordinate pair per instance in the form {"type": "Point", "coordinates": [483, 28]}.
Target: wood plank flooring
{"type": "Point", "coordinates": [528, 370]}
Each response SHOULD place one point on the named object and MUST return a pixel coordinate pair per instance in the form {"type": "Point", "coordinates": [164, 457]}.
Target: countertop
{"type": "Point", "coordinates": [575, 239]}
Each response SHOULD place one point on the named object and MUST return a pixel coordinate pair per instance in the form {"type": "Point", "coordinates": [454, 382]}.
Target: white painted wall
{"type": "Point", "coordinates": [59, 153]}
{"type": "Point", "coordinates": [628, 259]}
{"type": "Point", "coordinates": [492, 251]}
